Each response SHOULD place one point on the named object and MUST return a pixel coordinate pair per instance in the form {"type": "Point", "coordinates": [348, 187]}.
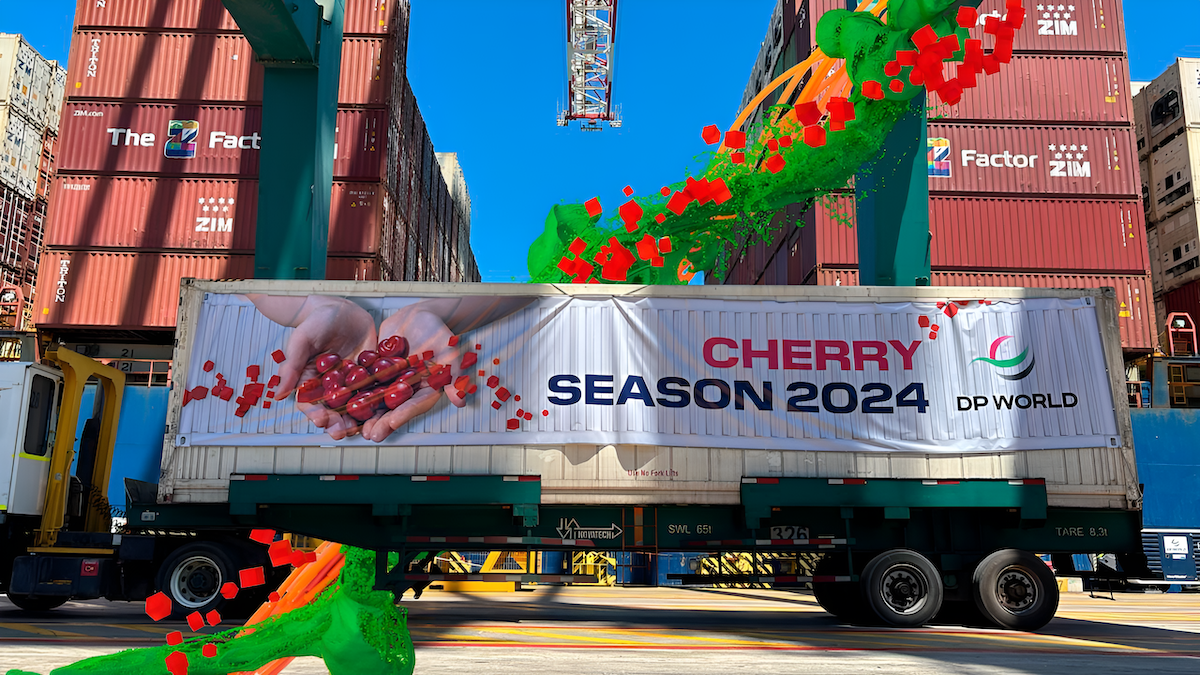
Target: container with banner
{"type": "Point", "coordinates": [663, 393]}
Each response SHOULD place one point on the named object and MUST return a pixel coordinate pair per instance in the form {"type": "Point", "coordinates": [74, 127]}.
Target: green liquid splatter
{"type": "Point", "coordinates": [355, 629]}
{"type": "Point", "coordinates": [867, 44]}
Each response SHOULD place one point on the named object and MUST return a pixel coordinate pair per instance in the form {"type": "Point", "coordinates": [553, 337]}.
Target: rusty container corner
{"type": "Point", "coordinates": [1134, 299]}
{"type": "Point", "coordinates": [363, 17]}
{"type": "Point", "coordinates": [153, 214]}
{"type": "Point", "coordinates": [137, 291]}
{"type": "Point", "coordinates": [205, 68]}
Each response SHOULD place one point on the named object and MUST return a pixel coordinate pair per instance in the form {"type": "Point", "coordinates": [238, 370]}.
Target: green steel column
{"type": "Point", "coordinates": [300, 45]}
{"type": "Point", "coordinates": [893, 207]}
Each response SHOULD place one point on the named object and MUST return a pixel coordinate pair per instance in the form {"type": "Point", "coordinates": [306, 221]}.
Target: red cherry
{"type": "Point", "coordinates": [358, 378]}
{"type": "Point", "coordinates": [411, 378]}
{"type": "Point", "coordinates": [397, 393]}
{"type": "Point", "coordinates": [327, 362]}
{"type": "Point", "coordinates": [339, 397]}
{"type": "Point", "coordinates": [360, 408]}
{"type": "Point", "coordinates": [385, 369]}
{"type": "Point", "coordinates": [366, 358]}
{"type": "Point", "coordinates": [394, 346]}
{"type": "Point", "coordinates": [333, 380]}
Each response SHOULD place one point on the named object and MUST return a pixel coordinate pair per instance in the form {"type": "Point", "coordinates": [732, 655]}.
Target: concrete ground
{"type": "Point", "coordinates": [605, 631]}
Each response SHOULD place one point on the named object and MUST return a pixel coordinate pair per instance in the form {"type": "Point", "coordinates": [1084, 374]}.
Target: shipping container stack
{"type": "Point", "coordinates": [159, 158]}
{"type": "Point", "coordinates": [1168, 142]}
{"type": "Point", "coordinates": [462, 265]}
{"type": "Point", "coordinates": [31, 100]}
{"type": "Point", "coordinates": [1033, 176]}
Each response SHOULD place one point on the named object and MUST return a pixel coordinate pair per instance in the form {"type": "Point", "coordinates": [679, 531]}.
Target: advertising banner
{"type": "Point", "coordinates": [921, 377]}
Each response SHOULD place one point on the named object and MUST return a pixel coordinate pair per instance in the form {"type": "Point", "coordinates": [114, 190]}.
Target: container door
{"type": "Point", "coordinates": [31, 465]}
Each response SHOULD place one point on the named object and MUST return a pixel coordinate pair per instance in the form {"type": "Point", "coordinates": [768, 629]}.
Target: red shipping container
{"type": "Point", "coordinates": [1019, 160]}
{"type": "Point", "coordinates": [204, 68]}
{"type": "Point", "coordinates": [373, 17]}
{"type": "Point", "coordinates": [1135, 304]}
{"type": "Point", "coordinates": [1042, 88]}
{"type": "Point", "coordinates": [1009, 234]}
{"type": "Point", "coordinates": [136, 291]}
{"type": "Point", "coordinates": [191, 213]}
{"type": "Point", "coordinates": [195, 139]}
{"type": "Point", "coordinates": [1186, 298]}
{"type": "Point", "coordinates": [1096, 26]}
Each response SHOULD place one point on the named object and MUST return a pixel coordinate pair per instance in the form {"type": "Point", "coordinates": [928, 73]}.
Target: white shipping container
{"type": "Point", "coordinates": [1172, 174]}
{"type": "Point", "coordinates": [1173, 99]}
{"type": "Point", "coordinates": [1175, 250]}
{"type": "Point", "coordinates": [1141, 123]}
{"type": "Point", "coordinates": [56, 98]}
{"type": "Point", "coordinates": [1102, 476]}
{"type": "Point", "coordinates": [24, 78]}
{"type": "Point", "coordinates": [31, 154]}
{"type": "Point", "coordinates": [12, 152]}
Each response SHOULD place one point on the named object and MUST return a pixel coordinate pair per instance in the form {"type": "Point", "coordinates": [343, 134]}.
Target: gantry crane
{"type": "Point", "coordinates": [591, 41]}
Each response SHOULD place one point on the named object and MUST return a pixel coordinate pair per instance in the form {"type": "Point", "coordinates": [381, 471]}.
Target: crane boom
{"type": "Point", "coordinates": [591, 36]}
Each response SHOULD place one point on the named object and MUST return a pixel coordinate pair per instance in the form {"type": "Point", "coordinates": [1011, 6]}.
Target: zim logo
{"type": "Point", "coordinates": [1015, 362]}
{"type": "Point", "coordinates": [939, 157]}
{"type": "Point", "coordinates": [181, 139]}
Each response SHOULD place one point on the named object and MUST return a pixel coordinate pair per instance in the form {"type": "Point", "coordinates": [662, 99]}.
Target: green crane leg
{"type": "Point", "coordinates": [300, 45]}
{"type": "Point", "coordinates": [893, 207]}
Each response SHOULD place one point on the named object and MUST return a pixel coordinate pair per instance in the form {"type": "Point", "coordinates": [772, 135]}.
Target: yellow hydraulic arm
{"type": "Point", "coordinates": [77, 370]}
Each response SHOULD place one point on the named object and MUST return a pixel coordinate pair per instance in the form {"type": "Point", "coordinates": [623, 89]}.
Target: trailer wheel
{"type": "Point", "coordinates": [192, 577]}
{"type": "Point", "coordinates": [903, 588]}
{"type": "Point", "coordinates": [1016, 590]}
{"type": "Point", "coordinates": [843, 600]}
{"type": "Point", "coordinates": [38, 604]}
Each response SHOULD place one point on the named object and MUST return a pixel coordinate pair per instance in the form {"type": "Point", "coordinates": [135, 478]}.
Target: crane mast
{"type": "Point", "coordinates": [591, 36]}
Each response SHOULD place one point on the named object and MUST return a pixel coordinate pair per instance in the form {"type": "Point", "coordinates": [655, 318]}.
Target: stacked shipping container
{"type": "Point", "coordinates": [1167, 114]}
{"type": "Point", "coordinates": [31, 95]}
{"type": "Point", "coordinates": [1062, 211]}
{"type": "Point", "coordinates": [129, 221]}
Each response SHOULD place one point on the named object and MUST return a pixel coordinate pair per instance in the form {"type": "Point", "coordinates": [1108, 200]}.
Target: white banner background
{"type": "Point", "coordinates": [655, 338]}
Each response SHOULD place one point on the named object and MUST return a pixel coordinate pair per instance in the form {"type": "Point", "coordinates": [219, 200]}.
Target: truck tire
{"type": "Point", "coordinates": [903, 588]}
{"type": "Point", "coordinates": [843, 600]}
{"type": "Point", "coordinates": [38, 604]}
{"type": "Point", "coordinates": [192, 577]}
{"type": "Point", "coordinates": [1016, 590]}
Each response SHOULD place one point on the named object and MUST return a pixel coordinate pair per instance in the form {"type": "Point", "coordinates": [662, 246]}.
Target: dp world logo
{"type": "Point", "coordinates": [1017, 361]}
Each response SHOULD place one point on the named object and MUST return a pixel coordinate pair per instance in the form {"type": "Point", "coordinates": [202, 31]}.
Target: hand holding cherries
{"type": "Point", "coordinates": [374, 381]}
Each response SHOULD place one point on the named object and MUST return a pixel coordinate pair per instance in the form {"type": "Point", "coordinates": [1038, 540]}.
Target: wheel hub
{"type": "Point", "coordinates": [905, 589]}
{"type": "Point", "coordinates": [195, 581]}
{"type": "Point", "coordinates": [1016, 590]}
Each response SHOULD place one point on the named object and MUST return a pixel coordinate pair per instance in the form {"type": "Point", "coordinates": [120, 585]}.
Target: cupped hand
{"type": "Point", "coordinates": [425, 332]}
{"type": "Point", "coordinates": [325, 324]}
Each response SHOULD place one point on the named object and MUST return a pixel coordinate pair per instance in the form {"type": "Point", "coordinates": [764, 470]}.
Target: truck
{"type": "Point", "coordinates": [920, 445]}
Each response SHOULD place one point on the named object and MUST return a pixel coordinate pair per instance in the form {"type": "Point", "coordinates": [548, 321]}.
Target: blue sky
{"type": "Point", "coordinates": [489, 91]}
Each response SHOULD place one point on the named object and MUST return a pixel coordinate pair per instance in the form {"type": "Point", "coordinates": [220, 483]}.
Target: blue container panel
{"type": "Point", "coordinates": [1164, 440]}
{"type": "Point", "coordinates": [140, 431]}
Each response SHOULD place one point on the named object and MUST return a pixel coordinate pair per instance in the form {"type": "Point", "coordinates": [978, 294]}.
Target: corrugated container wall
{"type": "Point", "coordinates": [205, 68]}
{"type": "Point", "coordinates": [363, 17]}
{"type": "Point", "coordinates": [1184, 299]}
{"type": "Point", "coordinates": [1175, 250]}
{"type": "Point", "coordinates": [1093, 27]}
{"type": "Point", "coordinates": [1048, 88]}
{"type": "Point", "coordinates": [159, 158]}
{"type": "Point", "coordinates": [1173, 164]}
{"type": "Point", "coordinates": [134, 291]}
{"type": "Point", "coordinates": [148, 213]}
{"type": "Point", "coordinates": [1019, 160]}
{"type": "Point", "coordinates": [1135, 301]}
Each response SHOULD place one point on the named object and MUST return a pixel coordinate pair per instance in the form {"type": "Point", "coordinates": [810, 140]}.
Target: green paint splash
{"type": "Point", "coordinates": [353, 628]}
{"type": "Point", "coordinates": [867, 44]}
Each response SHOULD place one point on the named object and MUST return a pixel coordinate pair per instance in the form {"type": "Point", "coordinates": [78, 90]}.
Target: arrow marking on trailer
{"type": "Point", "coordinates": [570, 529]}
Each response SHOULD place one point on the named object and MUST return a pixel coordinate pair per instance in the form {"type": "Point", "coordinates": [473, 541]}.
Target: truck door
{"type": "Point", "coordinates": [31, 461]}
